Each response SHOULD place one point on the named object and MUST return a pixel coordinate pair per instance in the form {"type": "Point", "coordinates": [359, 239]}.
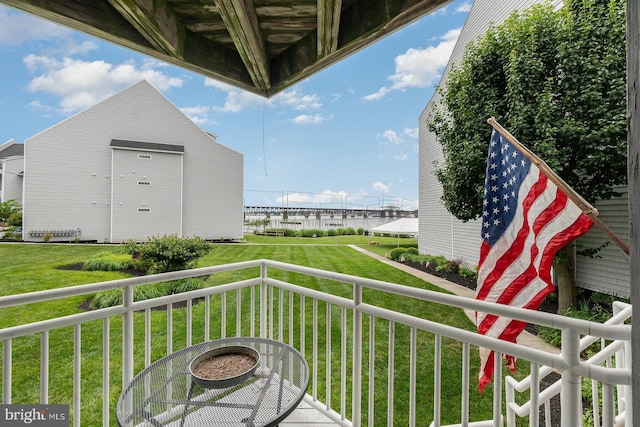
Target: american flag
{"type": "Point", "coordinates": [525, 220]}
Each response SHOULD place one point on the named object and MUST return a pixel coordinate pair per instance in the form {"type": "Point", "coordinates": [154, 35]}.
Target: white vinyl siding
{"type": "Point", "coordinates": [609, 272]}
{"type": "Point", "coordinates": [162, 202]}
{"type": "Point", "coordinates": [11, 179]}
{"type": "Point", "coordinates": [68, 171]}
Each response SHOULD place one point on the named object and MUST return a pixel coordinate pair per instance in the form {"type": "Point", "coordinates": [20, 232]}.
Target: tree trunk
{"type": "Point", "coordinates": [565, 267]}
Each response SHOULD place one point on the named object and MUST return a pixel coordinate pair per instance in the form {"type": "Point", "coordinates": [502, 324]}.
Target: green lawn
{"type": "Point", "coordinates": [31, 267]}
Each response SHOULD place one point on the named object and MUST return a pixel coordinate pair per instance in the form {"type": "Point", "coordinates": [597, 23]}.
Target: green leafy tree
{"type": "Point", "coordinates": [555, 80]}
{"type": "Point", "coordinates": [10, 209]}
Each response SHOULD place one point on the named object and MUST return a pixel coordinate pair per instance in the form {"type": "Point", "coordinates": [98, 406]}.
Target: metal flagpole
{"type": "Point", "coordinates": [586, 207]}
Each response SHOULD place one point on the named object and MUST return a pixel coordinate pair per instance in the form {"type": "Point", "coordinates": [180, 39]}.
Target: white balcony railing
{"type": "Point", "coordinates": [369, 365]}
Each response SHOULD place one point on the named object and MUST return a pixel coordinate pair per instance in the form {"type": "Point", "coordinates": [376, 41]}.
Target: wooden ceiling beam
{"type": "Point", "coordinates": [361, 23]}
{"type": "Point", "coordinates": [156, 21]}
{"type": "Point", "coordinates": [242, 23]}
{"type": "Point", "coordinates": [329, 12]}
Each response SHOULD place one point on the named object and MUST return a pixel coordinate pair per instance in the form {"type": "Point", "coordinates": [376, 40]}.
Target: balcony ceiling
{"type": "Point", "coordinates": [263, 46]}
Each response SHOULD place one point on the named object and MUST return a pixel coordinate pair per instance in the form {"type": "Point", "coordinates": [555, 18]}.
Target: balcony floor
{"type": "Point", "coordinates": [307, 416]}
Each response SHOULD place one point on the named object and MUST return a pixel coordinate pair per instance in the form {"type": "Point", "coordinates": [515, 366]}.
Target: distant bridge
{"type": "Point", "coordinates": [285, 212]}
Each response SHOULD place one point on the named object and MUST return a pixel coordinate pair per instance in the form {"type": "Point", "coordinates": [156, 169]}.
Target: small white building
{"type": "Point", "coordinates": [131, 167]}
{"type": "Point", "coordinates": [442, 234]}
{"type": "Point", "coordinates": [11, 171]}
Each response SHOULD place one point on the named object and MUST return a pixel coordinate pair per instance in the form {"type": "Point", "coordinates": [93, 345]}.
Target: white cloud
{"type": "Point", "coordinates": [390, 137]}
{"type": "Point", "coordinates": [464, 7]}
{"type": "Point", "coordinates": [297, 100]}
{"type": "Point", "coordinates": [80, 84]}
{"type": "Point", "coordinates": [401, 157]}
{"type": "Point", "coordinates": [199, 114]}
{"type": "Point", "coordinates": [308, 119]}
{"type": "Point", "coordinates": [237, 99]}
{"type": "Point", "coordinates": [411, 132]}
{"type": "Point", "coordinates": [16, 28]}
{"type": "Point", "coordinates": [419, 67]}
{"type": "Point", "coordinates": [379, 186]}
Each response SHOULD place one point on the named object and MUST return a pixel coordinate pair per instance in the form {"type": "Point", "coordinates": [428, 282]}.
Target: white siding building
{"type": "Point", "coordinates": [440, 233]}
{"type": "Point", "coordinates": [131, 167]}
{"type": "Point", "coordinates": [11, 171]}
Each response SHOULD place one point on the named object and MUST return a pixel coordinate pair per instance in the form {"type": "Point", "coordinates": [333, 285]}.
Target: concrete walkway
{"type": "Point", "coordinates": [525, 338]}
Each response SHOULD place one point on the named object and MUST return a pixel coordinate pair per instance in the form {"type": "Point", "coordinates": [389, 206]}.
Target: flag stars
{"type": "Point", "coordinates": [505, 170]}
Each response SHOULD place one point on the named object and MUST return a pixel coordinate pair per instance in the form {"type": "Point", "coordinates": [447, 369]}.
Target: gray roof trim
{"type": "Point", "coordinates": [14, 150]}
{"type": "Point", "coordinates": [146, 146]}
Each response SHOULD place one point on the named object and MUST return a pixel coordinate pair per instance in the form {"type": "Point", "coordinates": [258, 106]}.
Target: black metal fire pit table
{"type": "Point", "coordinates": [165, 393]}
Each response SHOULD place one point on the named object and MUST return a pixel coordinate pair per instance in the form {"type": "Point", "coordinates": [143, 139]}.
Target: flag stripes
{"type": "Point", "coordinates": [526, 219]}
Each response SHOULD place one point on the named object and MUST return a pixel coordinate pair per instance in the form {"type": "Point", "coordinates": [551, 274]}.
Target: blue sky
{"type": "Point", "coordinates": [345, 137]}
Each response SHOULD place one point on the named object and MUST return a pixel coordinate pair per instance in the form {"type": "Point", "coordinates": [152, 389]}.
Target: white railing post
{"type": "Point", "coordinates": [77, 372]}
{"type": "Point", "coordinates": [497, 389]}
{"type": "Point", "coordinates": [464, 392]}
{"type": "Point", "coordinates": [356, 392]}
{"type": "Point", "coordinates": [437, 379]}
{"type": "Point", "coordinates": [263, 300]}
{"type": "Point", "coordinates": [6, 372]}
{"type": "Point", "coordinates": [570, 394]}
{"type": "Point", "coordinates": [534, 394]}
{"type": "Point", "coordinates": [44, 367]}
{"type": "Point", "coordinates": [628, 395]}
{"type": "Point", "coordinates": [127, 336]}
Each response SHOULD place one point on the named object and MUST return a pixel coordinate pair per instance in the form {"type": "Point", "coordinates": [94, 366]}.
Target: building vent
{"type": "Point", "coordinates": [144, 210]}
{"type": "Point", "coordinates": [144, 183]}
{"type": "Point", "coordinates": [144, 156]}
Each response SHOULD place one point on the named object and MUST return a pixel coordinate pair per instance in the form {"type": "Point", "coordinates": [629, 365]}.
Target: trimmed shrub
{"type": "Point", "coordinates": [350, 231]}
{"type": "Point", "coordinates": [311, 232]}
{"type": "Point", "coordinates": [332, 233]}
{"type": "Point", "coordinates": [360, 231]}
{"type": "Point", "coordinates": [167, 253]}
{"type": "Point", "coordinates": [397, 253]}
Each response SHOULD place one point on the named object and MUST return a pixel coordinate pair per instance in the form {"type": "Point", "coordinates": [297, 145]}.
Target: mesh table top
{"type": "Point", "coordinates": [165, 395]}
